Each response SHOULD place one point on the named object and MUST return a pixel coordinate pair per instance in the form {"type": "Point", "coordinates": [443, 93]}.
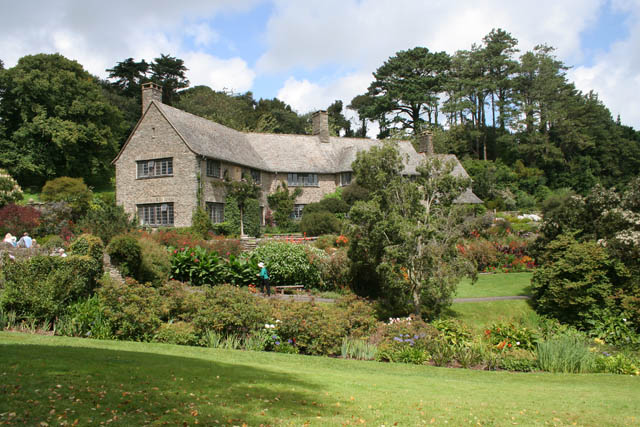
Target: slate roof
{"type": "Point", "coordinates": [276, 152]}
{"type": "Point", "coordinates": [287, 153]}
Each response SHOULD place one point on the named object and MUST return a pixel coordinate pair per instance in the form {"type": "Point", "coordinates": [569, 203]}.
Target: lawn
{"type": "Point", "coordinates": [495, 285]}
{"type": "Point", "coordinates": [56, 380]}
{"type": "Point", "coordinates": [480, 315]}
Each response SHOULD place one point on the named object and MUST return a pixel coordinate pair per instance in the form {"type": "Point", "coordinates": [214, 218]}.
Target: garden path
{"type": "Point", "coordinates": [306, 298]}
{"type": "Point", "coordinates": [482, 299]}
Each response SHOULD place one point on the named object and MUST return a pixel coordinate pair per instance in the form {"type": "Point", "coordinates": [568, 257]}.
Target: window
{"type": "Point", "coordinates": [213, 168]}
{"type": "Point", "coordinates": [345, 178]}
{"type": "Point", "coordinates": [216, 212]}
{"type": "Point", "coordinates": [302, 180]}
{"type": "Point", "coordinates": [297, 211]}
{"type": "Point", "coordinates": [154, 168]}
{"type": "Point", "coordinates": [156, 214]}
{"type": "Point", "coordinates": [253, 173]}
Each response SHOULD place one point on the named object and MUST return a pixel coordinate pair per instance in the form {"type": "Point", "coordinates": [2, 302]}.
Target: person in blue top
{"type": "Point", "coordinates": [25, 241]}
{"type": "Point", "coordinates": [264, 276]}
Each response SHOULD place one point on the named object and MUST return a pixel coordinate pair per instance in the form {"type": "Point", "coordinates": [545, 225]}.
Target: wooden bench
{"type": "Point", "coordinates": [281, 289]}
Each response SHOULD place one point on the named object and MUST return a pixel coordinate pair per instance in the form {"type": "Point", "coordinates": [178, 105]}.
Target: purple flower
{"type": "Point", "coordinates": [277, 342]}
{"type": "Point", "coordinates": [397, 339]}
{"type": "Point", "coordinates": [275, 337]}
{"type": "Point", "coordinates": [289, 341]}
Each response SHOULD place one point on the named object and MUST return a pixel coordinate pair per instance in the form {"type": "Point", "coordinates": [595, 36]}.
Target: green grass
{"type": "Point", "coordinates": [495, 285]}
{"type": "Point", "coordinates": [60, 380]}
{"type": "Point", "coordinates": [480, 315]}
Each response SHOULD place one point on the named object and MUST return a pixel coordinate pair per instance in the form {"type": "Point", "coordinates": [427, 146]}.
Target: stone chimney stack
{"type": "Point", "coordinates": [425, 143]}
{"type": "Point", "coordinates": [150, 92]}
{"type": "Point", "coordinates": [320, 121]}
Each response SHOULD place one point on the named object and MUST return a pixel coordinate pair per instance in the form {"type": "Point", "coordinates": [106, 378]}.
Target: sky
{"type": "Point", "coordinates": [310, 53]}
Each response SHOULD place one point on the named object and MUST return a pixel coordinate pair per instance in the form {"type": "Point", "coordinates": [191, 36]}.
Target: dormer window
{"type": "Point", "coordinates": [155, 168]}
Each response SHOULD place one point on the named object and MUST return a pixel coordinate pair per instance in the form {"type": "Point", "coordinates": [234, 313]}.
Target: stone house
{"type": "Point", "coordinates": [171, 155]}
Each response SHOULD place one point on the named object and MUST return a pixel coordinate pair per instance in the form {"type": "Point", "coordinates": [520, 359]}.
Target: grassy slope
{"type": "Point", "coordinates": [56, 379]}
{"type": "Point", "coordinates": [495, 285]}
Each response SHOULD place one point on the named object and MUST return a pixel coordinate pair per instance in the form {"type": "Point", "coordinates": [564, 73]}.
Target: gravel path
{"type": "Point", "coordinates": [296, 297]}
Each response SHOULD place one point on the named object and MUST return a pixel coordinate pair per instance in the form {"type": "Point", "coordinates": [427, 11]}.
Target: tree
{"type": "Point", "coordinates": [404, 237]}
{"type": "Point", "coordinates": [242, 191]}
{"type": "Point", "coordinates": [56, 122]}
{"type": "Point", "coordinates": [169, 72]}
{"type": "Point", "coordinates": [10, 191]}
{"type": "Point", "coordinates": [499, 48]}
{"type": "Point", "coordinates": [232, 110]}
{"type": "Point", "coordinates": [282, 202]}
{"type": "Point", "coordinates": [337, 121]}
{"type": "Point", "coordinates": [129, 76]}
{"type": "Point", "coordinates": [407, 85]}
{"type": "Point", "coordinates": [363, 105]}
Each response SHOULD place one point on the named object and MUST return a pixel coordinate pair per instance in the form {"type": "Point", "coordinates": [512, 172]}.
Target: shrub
{"type": "Point", "coordinates": [70, 190]}
{"type": "Point", "coordinates": [317, 223]}
{"type": "Point", "coordinates": [326, 242]}
{"type": "Point", "coordinates": [230, 310]}
{"type": "Point", "coordinates": [396, 327]}
{"type": "Point", "coordinates": [519, 360]}
{"type": "Point", "coordinates": [281, 203]}
{"type": "Point", "coordinates": [180, 333]}
{"type": "Point", "coordinates": [126, 254]}
{"type": "Point", "coordinates": [200, 222]}
{"type": "Point", "coordinates": [455, 333]}
{"type": "Point", "coordinates": [290, 264]}
{"type": "Point", "coordinates": [566, 354]}
{"type": "Point", "coordinates": [41, 287]}
{"type": "Point", "coordinates": [56, 218]}
{"type": "Point", "coordinates": [576, 281]}
{"type": "Point", "coordinates": [51, 242]}
{"type": "Point", "coordinates": [251, 218]}
{"type": "Point", "coordinates": [90, 246]}
{"type": "Point", "coordinates": [180, 301]}
{"type": "Point", "coordinates": [10, 191]}
{"type": "Point", "coordinates": [620, 363]}
{"type": "Point", "coordinates": [507, 336]}
{"type": "Point", "coordinates": [197, 265]}
{"type": "Point", "coordinates": [133, 309]}
{"type": "Point", "coordinates": [335, 270]}
{"type": "Point", "coordinates": [84, 318]}
{"type": "Point", "coordinates": [333, 205]}
{"type": "Point", "coordinates": [105, 219]}
{"type": "Point", "coordinates": [155, 265]}
{"type": "Point", "coordinates": [17, 219]}
{"type": "Point", "coordinates": [354, 192]}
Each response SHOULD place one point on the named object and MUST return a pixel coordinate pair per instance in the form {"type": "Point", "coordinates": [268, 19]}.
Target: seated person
{"type": "Point", "coordinates": [8, 238]}
{"type": "Point", "coordinates": [25, 241]}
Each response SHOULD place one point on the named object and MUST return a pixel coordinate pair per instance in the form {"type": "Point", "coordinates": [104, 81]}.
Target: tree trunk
{"type": "Point", "coordinates": [241, 222]}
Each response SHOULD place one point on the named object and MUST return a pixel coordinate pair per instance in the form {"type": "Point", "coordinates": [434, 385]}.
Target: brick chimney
{"type": "Point", "coordinates": [150, 92]}
{"type": "Point", "coordinates": [425, 143]}
{"type": "Point", "coordinates": [320, 120]}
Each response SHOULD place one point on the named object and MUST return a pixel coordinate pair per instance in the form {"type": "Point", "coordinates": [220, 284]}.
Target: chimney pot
{"type": "Point", "coordinates": [150, 92]}
{"type": "Point", "coordinates": [320, 120]}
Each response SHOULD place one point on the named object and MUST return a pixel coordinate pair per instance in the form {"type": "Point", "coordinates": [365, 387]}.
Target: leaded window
{"type": "Point", "coordinates": [297, 211]}
{"type": "Point", "coordinates": [302, 180]}
{"type": "Point", "coordinates": [155, 168]}
{"type": "Point", "coordinates": [156, 214]}
{"type": "Point", "coordinates": [216, 212]}
{"type": "Point", "coordinates": [345, 178]}
{"type": "Point", "coordinates": [213, 168]}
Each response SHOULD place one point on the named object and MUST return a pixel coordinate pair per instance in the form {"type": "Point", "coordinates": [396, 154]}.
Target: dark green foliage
{"type": "Point", "coordinates": [335, 270]}
{"type": "Point", "coordinates": [231, 310]}
{"type": "Point", "coordinates": [72, 191]}
{"type": "Point", "coordinates": [290, 263]}
{"type": "Point", "coordinates": [155, 265]}
{"type": "Point", "coordinates": [88, 245]}
{"type": "Point", "coordinates": [10, 191]}
{"type": "Point", "coordinates": [251, 218]}
{"type": "Point", "coordinates": [56, 122]}
{"type": "Point", "coordinates": [200, 222]}
{"type": "Point", "coordinates": [200, 266]}
{"type": "Point", "coordinates": [169, 72]}
{"type": "Point", "coordinates": [85, 318]}
{"type": "Point", "coordinates": [282, 202]}
{"type": "Point", "coordinates": [41, 287]}
{"type": "Point", "coordinates": [126, 254]}
{"type": "Point", "coordinates": [318, 223]}
{"type": "Point", "coordinates": [334, 205]}
{"type": "Point", "coordinates": [354, 192]}
{"type": "Point", "coordinates": [576, 281]}
{"type": "Point", "coordinates": [105, 219]}
{"type": "Point", "coordinates": [232, 215]}
{"type": "Point", "coordinates": [132, 309]}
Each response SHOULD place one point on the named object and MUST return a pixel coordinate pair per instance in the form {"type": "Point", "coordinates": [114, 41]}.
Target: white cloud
{"type": "Point", "coordinates": [202, 34]}
{"type": "Point", "coordinates": [305, 96]}
{"type": "Point", "coordinates": [230, 74]}
{"type": "Point", "coordinates": [615, 75]}
{"type": "Point", "coordinates": [365, 33]}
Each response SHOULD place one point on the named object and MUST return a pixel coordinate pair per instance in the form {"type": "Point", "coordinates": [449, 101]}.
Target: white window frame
{"type": "Point", "coordinates": [156, 214]}
{"type": "Point", "coordinates": [215, 211]}
{"type": "Point", "coordinates": [302, 179]}
{"type": "Point", "coordinates": [297, 211]}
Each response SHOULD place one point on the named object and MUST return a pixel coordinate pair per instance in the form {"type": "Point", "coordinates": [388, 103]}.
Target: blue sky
{"type": "Point", "coordinates": [313, 52]}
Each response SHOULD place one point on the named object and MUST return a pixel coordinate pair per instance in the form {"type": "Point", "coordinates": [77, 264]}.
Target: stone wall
{"type": "Point", "coordinates": [155, 138]}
